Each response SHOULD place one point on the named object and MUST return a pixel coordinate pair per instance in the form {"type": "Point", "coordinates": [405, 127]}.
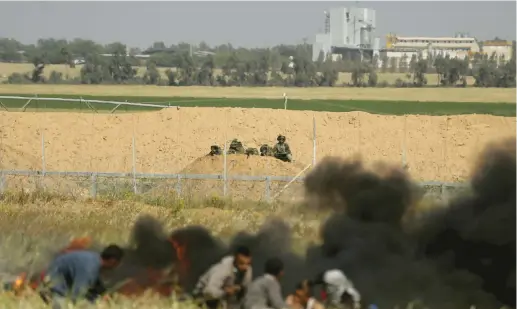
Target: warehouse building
{"type": "Point", "coordinates": [502, 49]}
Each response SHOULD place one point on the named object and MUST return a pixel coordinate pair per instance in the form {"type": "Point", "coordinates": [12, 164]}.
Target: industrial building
{"type": "Point", "coordinates": [349, 32]}
{"type": "Point", "coordinates": [459, 46]}
{"type": "Point", "coordinates": [501, 48]}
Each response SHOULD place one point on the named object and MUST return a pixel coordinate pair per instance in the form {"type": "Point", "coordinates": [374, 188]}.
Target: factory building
{"type": "Point", "coordinates": [501, 48]}
{"type": "Point", "coordinates": [459, 46]}
{"type": "Point", "coordinates": [349, 32]}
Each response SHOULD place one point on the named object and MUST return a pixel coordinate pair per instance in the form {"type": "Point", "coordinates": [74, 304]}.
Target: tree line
{"type": "Point", "coordinates": [225, 65]}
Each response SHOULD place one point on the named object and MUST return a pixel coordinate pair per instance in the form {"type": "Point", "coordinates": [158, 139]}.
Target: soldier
{"type": "Point", "coordinates": [252, 151]}
{"type": "Point", "coordinates": [236, 147]}
{"type": "Point", "coordinates": [215, 151]}
{"type": "Point", "coordinates": [265, 150]}
{"type": "Point", "coordinates": [281, 150]}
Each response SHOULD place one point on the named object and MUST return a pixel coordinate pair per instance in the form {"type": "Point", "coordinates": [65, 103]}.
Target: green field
{"type": "Point", "coordinates": [370, 106]}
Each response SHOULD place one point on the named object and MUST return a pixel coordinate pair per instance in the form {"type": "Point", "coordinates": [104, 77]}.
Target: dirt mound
{"type": "Point", "coordinates": [433, 147]}
{"type": "Point", "coordinates": [238, 165]}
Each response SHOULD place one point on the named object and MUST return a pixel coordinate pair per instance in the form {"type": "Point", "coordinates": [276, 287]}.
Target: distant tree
{"type": "Point", "coordinates": [418, 70]}
{"type": "Point", "coordinates": [18, 78]}
{"type": "Point", "coordinates": [451, 71]}
{"type": "Point", "coordinates": [385, 63]}
{"type": "Point", "coordinates": [372, 78]}
{"type": "Point", "coordinates": [68, 57]}
{"type": "Point", "coordinates": [393, 65]}
{"type": "Point", "coordinates": [55, 77]}
{"type": "Point", "coordinates": [329, 74]}
{"type": "Point", "coordinates": [171, 77]}
{"type": "Point", "coordinates": [152, 75]}
{"type": "Point", "coordinates": [412, 63]}
{"type": "Point", "coordinates": [358, 74]}
{"type": "Point", "coordinates": [404, 63]}
{"type": "Point", "coordinates": [94, 71]}
{"type": "Point", "coordinates": [206, 74]}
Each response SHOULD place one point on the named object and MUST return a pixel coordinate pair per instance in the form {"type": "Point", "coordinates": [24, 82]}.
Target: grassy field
{"type": "Point", "coordinates": [7, 69]}
{"type": "Point", "coordinates": [34, 224]}
{"type": "Point", "coordinates": [488, 95]}
{"type": "Point", "coordinates": [370, 106]}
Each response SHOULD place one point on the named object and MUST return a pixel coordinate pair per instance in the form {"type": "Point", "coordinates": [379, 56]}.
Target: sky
{"type": "Point", "coordinates": [247, 24]}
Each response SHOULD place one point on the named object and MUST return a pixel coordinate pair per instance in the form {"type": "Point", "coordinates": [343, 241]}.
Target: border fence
{"type": "Point", "coordinates": [441, 189]}
{"type": "Point", "coordinates": [141, 183]}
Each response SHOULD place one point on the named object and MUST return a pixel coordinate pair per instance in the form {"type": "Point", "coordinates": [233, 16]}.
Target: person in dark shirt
{"type": "Point", "coordinates": [265, 292]}
{"type": "Point", "coordinates": [76, 275]}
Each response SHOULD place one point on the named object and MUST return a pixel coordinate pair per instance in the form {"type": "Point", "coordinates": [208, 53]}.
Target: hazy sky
{"type": "Point", "coordinates": [249, 24]}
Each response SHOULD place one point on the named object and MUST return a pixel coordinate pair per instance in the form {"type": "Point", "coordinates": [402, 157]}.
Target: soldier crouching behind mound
{"type": "Point", "coordinates": [281, 150]}
{"type": "Point", "coordinates": [266, 151]}
{"type": "Point", "coordinates": [215, 151]}
{"type": "Point", "coordinates": [236, 147]}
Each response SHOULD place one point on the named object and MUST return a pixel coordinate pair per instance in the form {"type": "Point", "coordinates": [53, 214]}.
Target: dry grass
{"type": "Point", "coordinates": [35, 224]}
{"type": "Point", "coordinates": [7, 69]}
{"type": "Point", "coordinates": [392, 94]}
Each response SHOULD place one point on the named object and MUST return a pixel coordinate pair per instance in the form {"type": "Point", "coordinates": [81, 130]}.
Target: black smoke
{"type": "Point", "coordinates": [273, 240]}
{"type": "Point", "coordinates": [151, 247]}
{"type": "Point", "coordinates": [452, 257]}
{"type": "Point", "coordinates": [477, 232]}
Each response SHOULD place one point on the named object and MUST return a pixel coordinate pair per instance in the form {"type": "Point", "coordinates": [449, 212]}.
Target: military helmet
{"type": "Point", "coordinates": [280, 137]}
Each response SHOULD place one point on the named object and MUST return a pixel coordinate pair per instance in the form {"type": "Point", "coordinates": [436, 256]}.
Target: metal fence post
{"type": "Point", "coordinates": [135, 186]}
{"type": "Point", "coordinates": [93, 188]}
{"type": "Point", "coordinates": [445, 193]}
{"type": "Point", "coordinates": [2, 182]}
{"type": "Point", "coordinates": [225, 171]}
{"type": "Point", "coordinates": [268, 188]}
{"type": "Point", "coordinates": [178, 186]}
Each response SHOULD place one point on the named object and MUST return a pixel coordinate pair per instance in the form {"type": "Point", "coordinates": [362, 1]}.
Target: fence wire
{"type": "Point", "coordinates": [175, 170]}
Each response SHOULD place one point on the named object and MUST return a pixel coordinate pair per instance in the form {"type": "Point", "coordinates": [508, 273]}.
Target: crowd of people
{"type": "Point", "coordinates": [228, 284]}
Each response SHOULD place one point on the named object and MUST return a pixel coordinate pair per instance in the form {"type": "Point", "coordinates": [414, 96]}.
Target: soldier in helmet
{"type": "Point", "coordinates": [281, 150]}
{"type": "Point", "coordinates": [236, 147]}
{"type": "Point", "coordinates": [266, 150]}
{"type": "Point", "coordinates": [215, 151]}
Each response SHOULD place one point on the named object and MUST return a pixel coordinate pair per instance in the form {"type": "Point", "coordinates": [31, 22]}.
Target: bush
{"type": "Point", "coordinates": [372, 78]}
{"type": "Point", "coordinates": [55, 77]}
{"type": "Point", "coordinates": [383, 84]}
{"type": "Point", "coordinates": [399, 83]}
{"type": "Point", "coordinates": [18, 78]}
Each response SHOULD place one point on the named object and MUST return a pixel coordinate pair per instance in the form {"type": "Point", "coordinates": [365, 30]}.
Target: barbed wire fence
{"type": "Point", "coordinates": [95, 183]}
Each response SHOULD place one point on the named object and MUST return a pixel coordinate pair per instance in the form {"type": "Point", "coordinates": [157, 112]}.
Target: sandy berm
{"type": "Point", "coordinates": [433, 147]}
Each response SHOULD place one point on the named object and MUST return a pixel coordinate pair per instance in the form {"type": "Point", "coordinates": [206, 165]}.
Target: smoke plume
{"type": "Point", "coordinates": [452, 257]}
{"type": "Point", "coordinates": [477, 232]}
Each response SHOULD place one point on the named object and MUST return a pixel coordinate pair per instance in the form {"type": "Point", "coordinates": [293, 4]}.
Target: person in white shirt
{"type": "Point", "coordinates": [337, 287]}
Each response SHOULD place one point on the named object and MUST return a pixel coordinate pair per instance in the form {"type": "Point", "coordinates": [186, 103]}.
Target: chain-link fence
{"type": "Point", "coordinates": [154, 187]}
{"type": "Point", "coordinates": [164, 155]}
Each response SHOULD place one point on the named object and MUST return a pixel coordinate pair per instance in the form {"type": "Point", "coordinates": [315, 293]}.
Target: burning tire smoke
{"type": "Point", "coordinates": [453, 257]}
